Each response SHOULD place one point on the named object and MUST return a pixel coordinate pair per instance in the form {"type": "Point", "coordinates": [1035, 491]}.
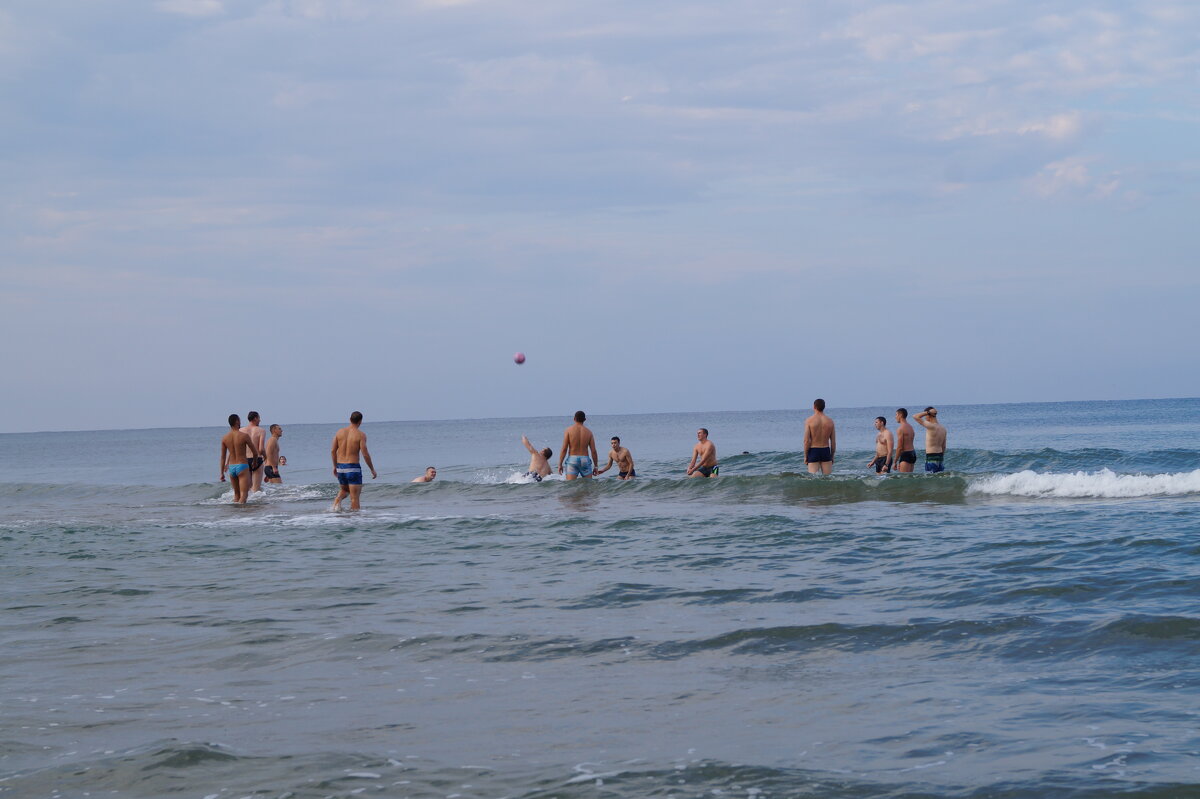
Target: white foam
{"type": "Point", "coordinates": [1104, 483]}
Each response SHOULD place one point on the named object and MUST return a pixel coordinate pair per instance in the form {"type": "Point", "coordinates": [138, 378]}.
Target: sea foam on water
{"type": "Point", "coordinates": [1104, 483]}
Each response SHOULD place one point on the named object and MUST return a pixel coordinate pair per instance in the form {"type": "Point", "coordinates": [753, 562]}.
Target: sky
{"type": "Point", "coordinates": [308, 207]}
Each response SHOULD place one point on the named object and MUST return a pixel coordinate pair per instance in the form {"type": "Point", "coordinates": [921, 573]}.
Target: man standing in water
{"type": "Point", "coordinates": [704, 457]}
{"type": "Point", "coordinates": [233, 457]}
{"type": "Point", "coordinates": [906, 456]}
{"type": "Point", "coordinates": [274, 459]}
{"type": "Point", "coordinates": [935, 440]}
{"type": "Point", "coordinates": [347, 444]}
{"type": "Point", "coordinates": [620, 456]}
{"type": "Point", "coordinates": [539, 461]}
{"type": "Point", "coordinates": [258, 436]}
{"type": "Point", "coordinates": [884, 442]}
{"type": "Point", "coordinates": [820, 440]}
{"type": "Point", "coordinates": [578, 442]}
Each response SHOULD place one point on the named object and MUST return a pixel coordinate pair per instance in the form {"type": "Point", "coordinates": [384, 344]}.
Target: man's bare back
{"type": "Point", "coordinates": [578, 450]}
{"type": "Point", "coordinates": [820, 440]}
{"type": "Point", "coordinates": [348, 445]}
{"type": "Point", "coordinates": [348, 441]}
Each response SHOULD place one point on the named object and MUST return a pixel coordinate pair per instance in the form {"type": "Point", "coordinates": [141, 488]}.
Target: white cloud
{"type": "Point", "coordinates": [1071, 176]}
{"type": "Point", "coordinates": [191, 8]}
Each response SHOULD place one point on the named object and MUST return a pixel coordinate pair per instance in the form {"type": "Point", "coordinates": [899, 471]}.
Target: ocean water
{"type": "Point", "coordinates": [1025, 625]}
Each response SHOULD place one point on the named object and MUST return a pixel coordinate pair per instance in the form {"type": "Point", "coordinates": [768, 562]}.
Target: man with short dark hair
{"type": "Point", "coordinates": [704, 457]}
{"type": "Point", "coordinates": [905, 457]}
{"type": "Point", "coordinates": [578, 449]}
{"type": "Point", "coordinates": [820, 440]}
{"type": "Point", "coordinates": [347, 444]}
{"type": "Point", "coordinates": [935, 440]}
{"type": "Point", "coordinates": [619, 455]}
{"type": "Point", "coordinates": [539, 461]}
{"type": "Point", "coordinates": [233, 457]}
{"type": "Point", "coordinates": [274, 459]}
{"type": "Point", "coordinates": [884, 441]}
{"type": "Point", "coordinates": [258, 436]}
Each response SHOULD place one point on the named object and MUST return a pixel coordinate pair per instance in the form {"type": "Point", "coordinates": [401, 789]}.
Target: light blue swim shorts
{"type": "Point", "coordinates": [237, 468]}
{"type": "Point", "coordinates": [579, 465]}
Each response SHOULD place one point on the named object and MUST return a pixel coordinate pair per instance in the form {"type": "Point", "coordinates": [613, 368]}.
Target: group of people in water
{"type": "Point", "coordinates": [246, 450]}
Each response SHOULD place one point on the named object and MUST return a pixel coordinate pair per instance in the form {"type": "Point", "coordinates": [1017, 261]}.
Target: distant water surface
{"type": "Point", "coordinates": [1026, 624]}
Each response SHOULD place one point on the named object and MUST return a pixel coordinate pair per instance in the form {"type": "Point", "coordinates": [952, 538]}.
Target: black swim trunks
{"type": "Point", "coordinates": [907, 456]}
{"type": "Point", "coordinates": [881, 462]}
{"type": "Point", "coordinates": [256, 462]}
{"type": "Point", "coordinates": [270, 472]}
{"type": "Point", "coordinates": [933, 462]}
{"type": "Point", "coordinates": [709, 471]}
{"type": "Point", "coordinates": [630, 473]}
{"type": "Point", "coordinates": [818, 455]}
{"type": "Point", "coordinates": [537, 478]}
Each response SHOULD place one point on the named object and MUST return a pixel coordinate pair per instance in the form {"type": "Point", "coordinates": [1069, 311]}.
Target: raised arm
{"type": "Point", "coordinates": [922, 419]}
{"type": "Point", "coordinates": [528, 446]}
{"type": "Point", "coordinates": [367, 456]}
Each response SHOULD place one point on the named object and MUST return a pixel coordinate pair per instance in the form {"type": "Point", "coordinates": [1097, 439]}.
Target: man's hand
{"type": "Point", "coordinates": [373, 475]}
{"type": "Point", "coordinates": [222, 477]}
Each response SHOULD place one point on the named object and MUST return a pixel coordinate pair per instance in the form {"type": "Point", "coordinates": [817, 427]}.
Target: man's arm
{"type": "Point", "coordinates": [832, 439]}
{"type": "Point", "coordinates": [807, 440]}
{"type": "Point", "coordinates": [562, 451]}
{"type": "Point", "coordinates": [333, 453]}
{"type": "Point", "coordinates": [595, 455]}
{"type": "Point", "coordinates": [250, 444]}
{"type": "Point", "coordinates": [691, 467]}
{"type": "Point", "coordinates": [367, 456]}
{"type": "Point", "coordinates": [920, 419]}
{"type": "Point", "coordinates": [528, 446]}
{"type": "Point", "coordinates": [224, 450]}
{"type": "Point", "coordinates": [608, 465]}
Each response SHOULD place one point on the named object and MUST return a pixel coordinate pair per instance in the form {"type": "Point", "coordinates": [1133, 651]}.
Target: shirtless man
{"type": "Point", "coordinates": [274, 459]}
{"type": "Point", "coordinates": [258, 437]}
{"type": "Point", "coordinates": [820, 440]}
{"type": "Point", "coordinates": [905, 456]}
{"type": "Point", "coordinates": [233, 457]}
{"type": "Point", "coordinates": [578, 442]}
{"type": "Point", "coordinates": [885, 442]}
{"type": "Point", "coordinates": [429, 476]}
{"type": "Point", "coordinates": [539, 461]}
{"type": "Point", "coordinates": [347, 444]}
{"type": "Point", "coordinates": [935, 439]}
{"type": "Point", "coordinates": [619, 455]}
{"type": "Point", "coordinates": [704, 457]}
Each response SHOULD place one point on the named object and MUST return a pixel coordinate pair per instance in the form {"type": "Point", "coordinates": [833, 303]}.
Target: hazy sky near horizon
{"type": "Point", "coordinates": [313, 206]}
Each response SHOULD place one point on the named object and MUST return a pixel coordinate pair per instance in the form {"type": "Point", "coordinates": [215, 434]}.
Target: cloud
{"type": "Point", "coordinates": [1071, 176]}
{"type": "Point", "coordinates": [191, 8]}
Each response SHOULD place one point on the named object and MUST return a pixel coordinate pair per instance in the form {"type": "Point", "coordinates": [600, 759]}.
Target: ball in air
{"type": "Point", "coordinates": [519, 358]}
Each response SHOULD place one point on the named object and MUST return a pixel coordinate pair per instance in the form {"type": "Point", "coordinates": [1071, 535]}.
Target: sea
{"type": "Point", "coordinates": [1026, 624]}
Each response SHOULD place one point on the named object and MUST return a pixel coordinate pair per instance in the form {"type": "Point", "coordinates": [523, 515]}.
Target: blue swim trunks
{"type": "Point", "coordinates": [237, 468]}
{"type": "Point", "coordinates": [933, 461]}
{"type": "Point", "coordinates": [579, 465]}
{"type": "Point", "coordinates": [349, 474]}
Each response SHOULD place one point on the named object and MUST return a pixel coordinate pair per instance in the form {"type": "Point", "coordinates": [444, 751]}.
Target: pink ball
{"type": "Point", "coordinates": [519, 358]}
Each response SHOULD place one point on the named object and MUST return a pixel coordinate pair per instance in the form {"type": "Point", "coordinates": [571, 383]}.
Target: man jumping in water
{"type": "Point", "coordinates": [578, 442]}
{"type": "Point", "coordinates": [539, 461]}
{"type": "Point", "coordinates": [905, 456]}
{"type": "Point", "coordinates": [347, 444]}
{"type": "Point", "coordinates": [233, 457]}
{"type": "Point", "coordinates": [820, 440]}
{"type": "Point", "coordinates": [705, 452]}
{"type": "Point", "coordinates": [620, 456]}
{"type": "Point", "coordinates": [884, 442]}
{"type": "Point", "coordinates": [935, 440]}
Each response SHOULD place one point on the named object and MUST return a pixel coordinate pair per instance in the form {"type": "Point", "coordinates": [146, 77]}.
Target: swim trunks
{"type": "Point", "coordinates": [630, 473]}
{"type": "Point", "coordinates": [536, 477]}
{"type": "Point", "coordinates": [255, 463]}
{"type": "Point", "coordinates": [933, 461]}
{"type": "Point", "coordinates": [907, 456]}
{"type": "Point", "coordinates": [349, 474]}
{"type": "Point", "coordinates": [880, 462]}
{"type": "Point", "coordinates": [270, 472]}
{"type": "Point", "coordinates": [709, 471]}
{"type": "Point", "coordinates": [579, 465]}
{"type": "Point", "coordinates": [819, 455]}
{"type": "Point", "coordinates": [237, 468]}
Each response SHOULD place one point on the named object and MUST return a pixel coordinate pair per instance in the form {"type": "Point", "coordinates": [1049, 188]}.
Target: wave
{"type": "Point", "coordinates": [1077, 485]}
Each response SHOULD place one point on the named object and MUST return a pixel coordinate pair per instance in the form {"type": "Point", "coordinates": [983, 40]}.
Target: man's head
{"type": "Point", "coordinates": [932, 411]}
{"type": "Point", "coordinates": [356, 417]}
{"type": "Point", "coordinates": [819, 405]}
{"type": "Point", "coordinates": [547, 452]}
{"type": "Point", "coordinates": [430, 472]}
{"type": "Point", "coordinates": [901, 414]}
{"type": "Point", "coordinates": [234, 420]}
{"type": "Point", "coordinates": [880, 423]}
{"type": "Point", "coordinates": [702, 434]}
{"type": "Point", "coordinates": [616, 442]}
{"type": "Point", "coordinates": [276, 430]}
{"type": "Point", "coordinates": [252, 417]}
{"type": "Point", "coordinates": [580, 417]}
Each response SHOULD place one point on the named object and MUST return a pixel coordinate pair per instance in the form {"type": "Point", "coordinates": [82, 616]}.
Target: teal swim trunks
{"type": "Point", "coordinates": [579, 465]}
{"type": "Point", "coordinates": [237, 468]}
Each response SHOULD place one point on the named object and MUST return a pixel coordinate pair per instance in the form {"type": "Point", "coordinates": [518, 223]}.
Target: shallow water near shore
{"type": "Point", "coordinates": [1024, 624]}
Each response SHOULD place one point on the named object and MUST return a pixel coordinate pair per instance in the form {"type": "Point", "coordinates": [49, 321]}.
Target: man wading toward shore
{"type": "Point", "coordinates": [233, 457]}
{"type": "Point", "coordinates": [347, 443]}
